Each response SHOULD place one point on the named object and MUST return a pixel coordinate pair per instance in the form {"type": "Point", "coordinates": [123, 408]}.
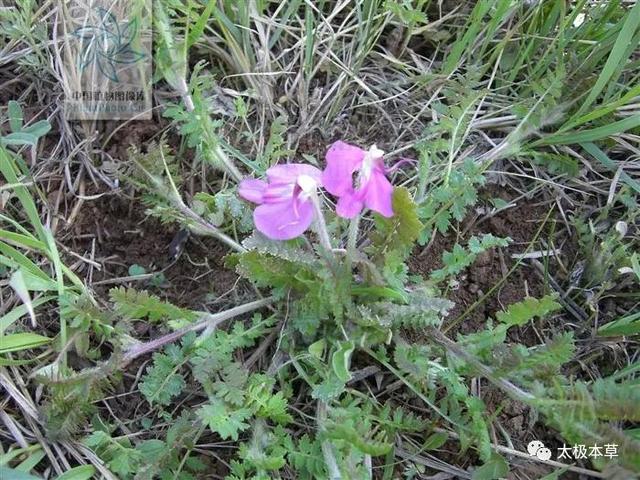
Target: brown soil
{"type": "Point", "coordinates": [124, 236]}
{"type": "Point", "coordinates": [521, 223]}
{"type": "Point", "coordinates": [491, 268]}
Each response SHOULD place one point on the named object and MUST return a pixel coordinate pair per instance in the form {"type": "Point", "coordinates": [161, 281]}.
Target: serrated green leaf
{"type": "Point", "coordinates": [225, 422]}
{"type": "Point", "coordinates": [460, 258]}
{"type": "Point", "coordinates": [521, 312]}
{"type": "Point", "coordinates": [133, 304]}
{"type": "Point", "coordinates": [402, 229]}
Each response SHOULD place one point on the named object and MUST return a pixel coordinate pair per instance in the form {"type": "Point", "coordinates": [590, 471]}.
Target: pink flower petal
{"type": "Point", "coordinates": [378, 193]}
{"type": "Point", "coordinates": [349, 205]}
{"type": "Point", "coordinates": [289, 172]}
{"type": "Point", "coordinates": [278, 192]}
{"type": "Point", "coordinates": [342, 161]}
{"type": "Point", "coordinates": [280, 221]}
{"type": "Point", "coordinates": [252, 190]}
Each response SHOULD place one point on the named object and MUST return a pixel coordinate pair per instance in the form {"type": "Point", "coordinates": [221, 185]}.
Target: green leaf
{"type": "Point", "coordinates": [329, 389]}
{"type": "Point", "coordinates": [341, 360]}
{"type": "Point", "coordinates": [163, 381]}
{"type": "Point", "coordinates": [21, 341]}
{"type": "Point", "coordinates": [422, 309]}
{"type": "Point", "coordinates": [612, 166]}
{"type": "Point", "coordinates": [556, 163]}
{"type": "Point", "coordinates": [16, 118]}
{"type": "Point", "coordinates": [591, 135]}
{"type": "Point", "coordinates": [8, 170]}
{"type": "Point", "coordinates": [435, 441]}
{"type": "Point", "coordinates": [316, 349]}
{"type": "Point", "coordinates": [225, 422]}
{"type": "Point", "coordinates": [460, 258]}
{"type": "Point", "coordinates": [616, 56]}
{"type": "Point", "coordinates": [347, 433]}
{"type": "Point", "coordinates": [11, 474]}
{"type": "Point", "coordinates": [376, 293]}
{"type": "Point", "coordinates": [135, 270]}
{"type": "Point", "coordinates": [31, 461]}
{"type": "Point", "coordinates": [521, 312]}
{"type": "Point", "coordinates": [628, 325]}
{"type": "Point", "coordinates": [496, 467]}
{"type": "Point", "coordinates": [132, 304]}
{"type": "Point", "coordinates": [83, 472]}
{"type": "Point", "coordinates": [267, 270]}
{"type": "Point", "coordinates": [38, 129]}
{"type": "Point", "coordinates": [19, 286]}
{"type": "Point", "coordinates": [19, 138]}
{"type": "Point", "coordinates": [635, 264]}
{"type": "Point", "coordinates": [402, 229]}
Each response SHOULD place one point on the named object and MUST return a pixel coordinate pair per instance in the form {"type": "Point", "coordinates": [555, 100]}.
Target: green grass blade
{"type": "Point", "coordinates": [616, 57]}
{"type": "Point", "coordinates": [22, 341]}
{"type": "Point", "coordinates": [629, 325]}
{"type": "Point", "coordinates": [599, 155]}
{"type": "Point", "coordinates": [20, 311]}
{"type": "Point", "coordinates": [591, 135]}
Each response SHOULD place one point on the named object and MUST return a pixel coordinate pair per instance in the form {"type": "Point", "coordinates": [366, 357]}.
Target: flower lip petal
{"type": "Point", "coordinates": [252, 190]}
{"type": "Point", "coordinates": [343, 160]}
{"type": "Point", "coordinates": [378, 192]}
{"type": "Point", "coordinates": [349, 205]}
{"type": "Point", "coordinates": [281, 221]}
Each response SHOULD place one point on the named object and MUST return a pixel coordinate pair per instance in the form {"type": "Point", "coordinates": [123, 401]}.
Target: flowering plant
{"type": "Point", "coordinates": [288, 201]}
{"type": "Point", "coordinates": [355, 293]}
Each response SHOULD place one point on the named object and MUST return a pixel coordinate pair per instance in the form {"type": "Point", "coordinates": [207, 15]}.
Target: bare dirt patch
{"type": "Point", "coordinates": [117, 233]}
{"type": "Point", "coordinates": [491, 268]}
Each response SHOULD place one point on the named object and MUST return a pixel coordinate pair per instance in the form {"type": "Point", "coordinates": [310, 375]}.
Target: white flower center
{"type": "Point", "coordinates": [369, 161]}
{"type": "Point", "coordinates": [307, 184]}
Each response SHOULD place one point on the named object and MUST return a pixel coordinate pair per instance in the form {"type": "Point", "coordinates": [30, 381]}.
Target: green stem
{"type": "Point", "coordinates": [327, 448]}
{"type": "Point", "coordinates": [321, 226]}
{"type": "Point", "coordinates": [352, 237]}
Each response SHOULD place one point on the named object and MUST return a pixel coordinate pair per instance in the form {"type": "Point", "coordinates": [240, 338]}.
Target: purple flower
{"type": "Point", "coordinates": [371, 189]}
{"type": "Point", "coordinates": [285, 201]}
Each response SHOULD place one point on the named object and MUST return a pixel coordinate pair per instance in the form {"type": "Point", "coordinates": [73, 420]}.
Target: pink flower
{"type": "Point", "coordinates": [285, 208]}
{"type": "Point", "coordinates": [371, 190]}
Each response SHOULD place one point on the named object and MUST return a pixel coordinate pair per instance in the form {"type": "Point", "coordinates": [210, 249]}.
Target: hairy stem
{"type": "Point", "coordinates": [321, 226]}
{"type": "Point", "coordinates": [352, 237]}
{"type": "Point", "coordinates": [513, 390]}
{"type": "Point", "coordinates": [327, 449]}
{"type": "Point", "coordinates": [208, 321]}
{"type": "Point", "coordinates": [207, 228]}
